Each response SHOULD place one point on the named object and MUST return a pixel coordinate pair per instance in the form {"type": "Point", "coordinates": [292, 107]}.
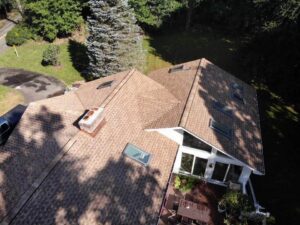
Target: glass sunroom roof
{"type": "Point", "coordinates": [137, 154]}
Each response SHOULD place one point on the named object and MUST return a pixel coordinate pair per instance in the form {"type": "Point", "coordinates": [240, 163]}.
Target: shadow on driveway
{"type": "Point", "coordinates": [33, 86]}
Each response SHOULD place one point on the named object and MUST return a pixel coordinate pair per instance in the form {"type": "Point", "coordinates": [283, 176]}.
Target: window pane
{"type": "Point", "coordinates": [3, 128]}
{"type": "Point", "coordinates": [199, 167]}
{"type": "Point", "coordinates": [234, 173]}
{"type": "Point", "coordinates": [219, 171]}
{"type": "Point", "coordinates": [190, 141]}
{"type": "Point", "coordinates": [186, 162]}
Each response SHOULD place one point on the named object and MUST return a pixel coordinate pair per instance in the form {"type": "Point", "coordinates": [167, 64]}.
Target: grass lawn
{"type": "Point", "coordinates": [9, 98]}
{"type": "Point", "coordinates": [178, 47]}
{"type": "Point", "coordinates": [30, 57]}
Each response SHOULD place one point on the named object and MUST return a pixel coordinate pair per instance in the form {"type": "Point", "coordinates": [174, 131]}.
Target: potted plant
{"type": "Point", "coordinates": [236, 205]}
{"type": "Point", "coordinates": [221, 206]}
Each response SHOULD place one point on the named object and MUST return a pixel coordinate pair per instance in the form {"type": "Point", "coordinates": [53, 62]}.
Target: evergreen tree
{"type": "Point", "coordinates": [115, 43]}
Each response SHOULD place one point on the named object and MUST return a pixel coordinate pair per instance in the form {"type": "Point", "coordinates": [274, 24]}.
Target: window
{"type": "Point", "coordinates": [221, 128]}
{"type": "Point", "coordinates": [3, 128]}
{"type": "Point", "coordinates": [105, 84]}
{"type": "Point", "coordinates": [137, 154]}
{"type": "Point", "coordinates": [237, 92]}
{"type": "Point", "coordinates": [193, 142]}
{"type": "Point", "coordinates": [234, 173]}
{"type": "Point", "coordinates": [199, 167]}
{"type": "Point", "coordinates": [220, 171]}
{"type": "Point", "coordinates": [176, 69]}
{"type": "Point", "coordinates": [186, 163]}
{"type": "Point", "coordinates": [222, 108]}
{"type": "Point", "coordinates": [191, 164]}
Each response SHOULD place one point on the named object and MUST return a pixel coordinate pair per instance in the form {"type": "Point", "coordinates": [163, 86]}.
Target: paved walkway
{"type": "Point", "coordinates": [3, 31]}
{"type": "Point", "coordinates": [33, 86]}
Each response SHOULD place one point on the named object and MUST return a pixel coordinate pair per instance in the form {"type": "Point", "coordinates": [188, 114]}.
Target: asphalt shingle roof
{"type": "Point", "coordinates": [90, 181]}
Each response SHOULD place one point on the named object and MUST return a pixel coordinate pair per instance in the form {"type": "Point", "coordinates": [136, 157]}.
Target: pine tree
{"type": "Point", "coordinates": [114, 42]}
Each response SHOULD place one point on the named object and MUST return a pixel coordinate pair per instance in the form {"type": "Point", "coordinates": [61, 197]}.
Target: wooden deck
{"type": "Point", "coordinates": [203, 193]}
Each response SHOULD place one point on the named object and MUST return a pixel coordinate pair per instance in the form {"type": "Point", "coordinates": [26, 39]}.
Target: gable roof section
{"type": "Point", "coordinates": [91, 97]}
{"type": "Point", "coordinates": [198, 89]}
{"type": "Point", "coordinates": [179, 85]}
{"type": "Point", "coordinates": [94, 177]}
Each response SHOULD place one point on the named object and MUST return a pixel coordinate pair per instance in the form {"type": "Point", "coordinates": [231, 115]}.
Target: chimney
{"type": "Point", "coordinates": [92, 120]}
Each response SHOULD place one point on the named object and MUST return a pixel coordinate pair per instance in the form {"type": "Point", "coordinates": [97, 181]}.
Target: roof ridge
{"type": "Point", "coordinates": [117, 88]}
{"type": "Point", "coordinates": [187, 107]}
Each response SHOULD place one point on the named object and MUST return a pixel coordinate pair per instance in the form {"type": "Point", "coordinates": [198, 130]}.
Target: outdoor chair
{"type": "Point", "coordinates": [186, 221]}
{"type": "Point", "coordinates": [173, 220]}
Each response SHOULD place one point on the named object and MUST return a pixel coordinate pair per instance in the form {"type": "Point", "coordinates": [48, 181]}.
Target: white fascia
{"type": "Point", "coordinates": [178, 138]}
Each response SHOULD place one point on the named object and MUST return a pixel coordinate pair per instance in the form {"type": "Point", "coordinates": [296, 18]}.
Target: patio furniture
{"type": "Point", "coordinates": [234, 186]}
{"type": "Point", "coordinates": [173, 220]}
{"type": "Point", "coordinates": [193, 211]}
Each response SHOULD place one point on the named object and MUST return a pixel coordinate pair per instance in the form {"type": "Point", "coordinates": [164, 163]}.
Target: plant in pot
{"type": "Point", "coordinates": [184, 183]}
{"type": "Point", "coordinates": [221, 206]}
{"type": "Point", "coordinates": [236, 204]}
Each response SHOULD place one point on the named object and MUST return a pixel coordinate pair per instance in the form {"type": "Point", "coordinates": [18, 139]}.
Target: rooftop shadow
{"type": "Point", "coordinates": [74, 191]}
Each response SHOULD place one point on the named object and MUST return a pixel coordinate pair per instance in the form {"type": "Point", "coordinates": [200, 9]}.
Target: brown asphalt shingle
{"type": "Point", "coordinates": [196, 89]}
{"type": "Point", "coordinates": [94, 183]}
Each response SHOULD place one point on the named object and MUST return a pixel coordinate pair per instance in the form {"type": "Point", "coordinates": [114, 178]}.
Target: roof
{"type": "Point", "coordinates": [92, 182]}
{"type": "Point", "coordinates": [206, 83]}
{"type": "Point", "coordinates": [51, 173]}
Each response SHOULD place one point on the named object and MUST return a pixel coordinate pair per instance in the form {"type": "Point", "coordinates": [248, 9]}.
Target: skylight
{"type": "Point", "coordinates": [220, 128]}
{"type": "Point", "coordinates": [176, 69]}
{"type": "Point", "coordinates": [105, 84]}
{"type": "Point", "coordinates": [137, 154]}
{"type": "Point", "coordinates": [222, 108]}
{"type": "Point", "coordinates": [237, 92]}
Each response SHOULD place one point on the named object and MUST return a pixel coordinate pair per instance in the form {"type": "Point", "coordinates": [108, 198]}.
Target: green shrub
{"type": "Point", "coordinates": [18, 35]}
{"type": "Point", "coordinates": [184, 183]}
{"type": "Point", "coordinates": [50, 55]}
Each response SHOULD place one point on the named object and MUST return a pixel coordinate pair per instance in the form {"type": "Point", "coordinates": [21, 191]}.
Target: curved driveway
{"type": "Point", "coordinates": [33, 86]}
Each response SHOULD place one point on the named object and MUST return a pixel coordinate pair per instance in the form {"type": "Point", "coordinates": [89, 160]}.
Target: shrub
{"type": "Point", "coordinates": [50, 55]}
{"type": "Point", "coordinates": [18, 35]}
{"type": "Point", "coordinates": [184, 184]}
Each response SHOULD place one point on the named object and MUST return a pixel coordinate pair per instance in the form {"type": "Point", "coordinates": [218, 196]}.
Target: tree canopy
{"type": "Point", "coordinates": [115, 43]}
{"type": "Point", "coordinates": [153, 12]}
{"type": "Point", "coordinates": [52, 18]}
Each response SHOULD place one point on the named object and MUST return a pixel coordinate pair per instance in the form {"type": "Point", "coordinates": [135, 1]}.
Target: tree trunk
{"type": "Point", "coordinates": [20, 7]}
{"type": "Point", "coordinates": [189, 15]}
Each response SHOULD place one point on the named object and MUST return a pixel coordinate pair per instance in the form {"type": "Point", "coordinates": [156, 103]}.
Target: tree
{"type": "Point", "coordinates": [115, 43]}
{"type": "Point", "coordinates": [52, 18]}
{"type": "Point", "coordinates": [190, 5]}
{"type": "Point", "coordinates": [153, 12]}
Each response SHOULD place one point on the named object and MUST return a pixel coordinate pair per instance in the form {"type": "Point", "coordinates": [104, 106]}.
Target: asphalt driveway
{"type": "Point", "coordinates": [33, 86]}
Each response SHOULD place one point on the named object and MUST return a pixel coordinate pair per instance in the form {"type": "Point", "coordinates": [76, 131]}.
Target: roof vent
{"type": "Point", "coordinates": [220, 128]}
{"type": "Point", "coordinates": [237, 92]}
{"type": "Point", "coordinates": [222, 108]}
{"type": "Point", "coordinates": [105, 84]}
{"type": "Point", "coordinates": [92, 120]}
{"type": "Point", "coordinates": [176, 69]}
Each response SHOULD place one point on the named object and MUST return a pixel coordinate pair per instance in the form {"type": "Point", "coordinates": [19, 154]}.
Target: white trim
{"type": "Point", "coordinates": [239, 162]}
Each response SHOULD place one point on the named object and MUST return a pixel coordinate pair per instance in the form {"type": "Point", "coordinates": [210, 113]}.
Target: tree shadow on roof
{"type": "Point", "coordinates": [245, 143]}
{"type": "Point", "coordinates": [78, 189]}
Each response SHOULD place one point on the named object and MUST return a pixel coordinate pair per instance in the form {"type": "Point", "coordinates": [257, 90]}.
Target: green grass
{"type": "Point", "coordinates": [178, 47]}
{"type": "Point", "coordinates": [9, 98]}
{"type": "Point", "coordinates": [30, 57]}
